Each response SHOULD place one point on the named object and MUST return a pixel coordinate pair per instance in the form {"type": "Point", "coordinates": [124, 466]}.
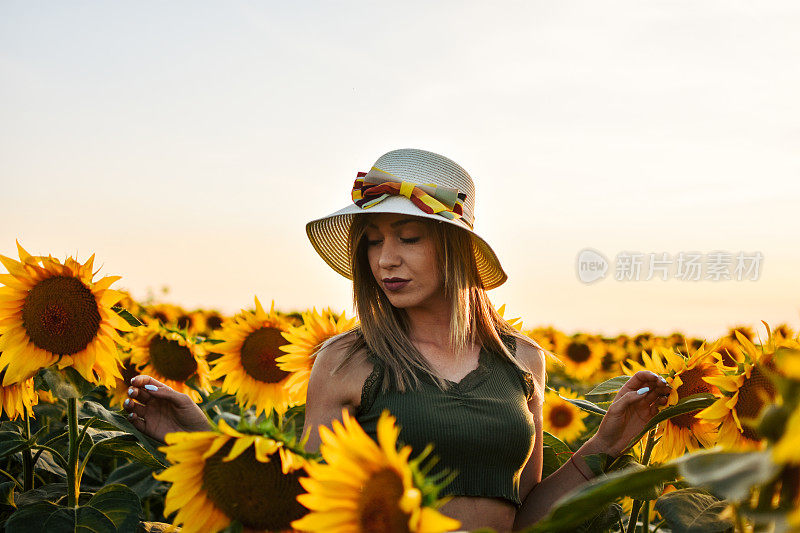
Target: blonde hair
{"type": "Point", "coordinates": [383, 328]}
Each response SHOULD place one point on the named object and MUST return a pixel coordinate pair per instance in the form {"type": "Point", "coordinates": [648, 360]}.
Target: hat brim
{"type": "Point", "coordinates": [328, 236]}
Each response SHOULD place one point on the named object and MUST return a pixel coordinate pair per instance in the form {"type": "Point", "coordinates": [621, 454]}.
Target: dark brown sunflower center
{"type": "Point", "coordinates": [256, 494]}
{"type": "Point", "coordinates": [378, 507]}
{"type": "Point", "coordinates": [128, 371]}
{"type": "Point", "coordinates": [184, 321]}
{"type": "Point", "coordinates": [609, 362]}
{"type": "Point", "coordinates": [60, 315]}
{"type": "Point", "coordinates": [728, 356]}
{"type": "Point", "coordinates": [754, 394]}
{"type": "Point", "coordinates": [161, 317]}
{"type": "Point", "coordinates": [171, 359]}
{"type": "Point", "coordinates": [213, 322]}
{"type": "Point", "coordinates": [692, 384]}
{"type": "Point", "coordinates": [259, 351]}
{"type": "Point", "coordinates": [578, 352]}
{"type": "Point", "coordinates": [561, 416]}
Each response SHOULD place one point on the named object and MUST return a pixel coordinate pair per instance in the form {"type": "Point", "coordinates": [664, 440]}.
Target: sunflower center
{"type": "Point", "coordinates": [256, 494]}
{"type": "Point", "coordinates": [172, 359]}
{"type": "Point", "coordinates": [692, 384]}
{"type": "Point", "coordinates": [578, 352]}
{"type": "Point", "coordinates": [378, 507]}
{"type": "Point", "coordinates": [183, 321]}
{"type": "Point", "coordinates": [60, 315]}
{"type": "Point", "coordinates": [214, 322]}
{"type": "Point", "coordinates": [561, 416]}
{"type": "Point", "coordinates": [259, 351]}
{"type": "Point", "coordinates": [754, 393]}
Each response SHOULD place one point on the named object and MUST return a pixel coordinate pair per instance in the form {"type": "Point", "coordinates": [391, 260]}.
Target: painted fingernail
{"type": "Point", "coordinates": [151, 387]}
{"type": "Point", "coordinates": [130, 391]}
{"type": "Point", "coordinates": [130, 416]}
{"type": "Point", "coordinates": [662, 379]}
{"type": "Point", "coordinates": [127, 402]}
{"type": "Point", "coordinates": [643, 390]}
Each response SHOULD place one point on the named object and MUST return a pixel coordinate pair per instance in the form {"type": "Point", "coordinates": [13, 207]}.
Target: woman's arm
{"type": "Point", "coordinates": [626, 416]}
{"type": "Point", "coordinates": [329, 392]}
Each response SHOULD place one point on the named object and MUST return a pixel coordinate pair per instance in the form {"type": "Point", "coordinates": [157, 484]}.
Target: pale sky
{"type": "Point", "coordinates": [188, 143]}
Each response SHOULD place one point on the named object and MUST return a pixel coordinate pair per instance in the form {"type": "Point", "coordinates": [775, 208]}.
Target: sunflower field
{"type": "Point", "coordinates": [722, 455]}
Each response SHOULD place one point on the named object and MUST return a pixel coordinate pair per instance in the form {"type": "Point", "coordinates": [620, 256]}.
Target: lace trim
{"type": "Point", "coordinates": [527, 378]}
{"type": "Point", "coordinates": [369, 390]}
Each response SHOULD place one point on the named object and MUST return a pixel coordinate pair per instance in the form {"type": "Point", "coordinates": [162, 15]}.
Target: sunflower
{"type": "Point", "coordinates": [251, 345]}
{"type": "Point", "coordinates": [305, 341]}
{"type": "Point", "coordinates": [171, 358]}
{"type": "Point", "coordinates": [119, 392]}
{"type": "Point", "coordinates": [561, 418]}
{"type": "Point", "coordinates": [686, 376]}
{"type": "Point", "coordinates": [582, 357]}
{"type": "Point", "coordinates": [746, 393]}
{"type": "Point", "coordinates": [223, 476]}
{"type": "Point", "coordinates": [53, 313]}
{"type": "Point", "coordinates": [515, 323]}
{"type": "Point", "coordinates": [368, 487]}
{"type": "Point", "coordinates": [18, 399]}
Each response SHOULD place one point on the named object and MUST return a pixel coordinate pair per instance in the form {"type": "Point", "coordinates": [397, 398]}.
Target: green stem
{"type": "Point", "coordinates": [73, 481]}
{"type": "Point", "coordinates": [646, 517]}
{"type": "Point", "coordinates": [9, 476]}
{"type": "Point", "coordinates": [739, 520]}
{"type": "Point", "coordinates": [27, 456]}
{"type": "Point", "coordinates": [637, 504]}
{"type": "Point", "coordinates": [658, 526]}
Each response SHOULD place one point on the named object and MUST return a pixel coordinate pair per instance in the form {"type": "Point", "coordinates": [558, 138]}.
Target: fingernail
{"type": "Point", "coordinates": [130, 391]}
{"type": "Point", "coordinates": [643, 390]}
{"type": "Point", "coordinates": [130, 416]}
{"type": "Point", "coordinates": [151, 387]}
{"type": "Point", "coordinates": [662, 379]}
{"type": "Point", "coordinates": [127, 402]}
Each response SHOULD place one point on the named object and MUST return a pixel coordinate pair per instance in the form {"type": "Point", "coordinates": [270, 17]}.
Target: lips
{"type": "Point", "coordinates": [395, 284]}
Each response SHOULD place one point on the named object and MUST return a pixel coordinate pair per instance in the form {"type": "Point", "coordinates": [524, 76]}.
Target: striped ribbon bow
{"type": "Point", "coordinates": [374, 186]}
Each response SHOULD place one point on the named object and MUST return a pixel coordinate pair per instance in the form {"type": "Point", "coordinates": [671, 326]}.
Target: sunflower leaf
{"type": "Point", "coordinates": [685, 405]}
{"type": "Point", "coordinates": [66, 383]}
{"type": "Point", "coordinates": [127, 316]}
{"type": "Point", "coordinates": [586, 405]}
{"type": "Point", "coordinates": [729, 474]}
{"type": "Point", "coordinates": [693, 510]}
{"type": "Point", "coordinates": [554, 454]}
{"type": "Point", "coordinates": [609, 386]}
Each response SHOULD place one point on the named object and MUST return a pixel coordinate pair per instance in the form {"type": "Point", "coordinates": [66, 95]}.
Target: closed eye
{"type": "Point", "coordinates": [407, 241]}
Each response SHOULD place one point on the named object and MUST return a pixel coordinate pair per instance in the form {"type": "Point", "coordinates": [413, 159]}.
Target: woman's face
{"type": "Point", "coordinates": [402, 246]}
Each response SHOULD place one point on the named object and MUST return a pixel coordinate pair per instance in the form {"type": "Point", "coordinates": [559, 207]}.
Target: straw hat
{"type": "Point", "coordinates": [411, 182]}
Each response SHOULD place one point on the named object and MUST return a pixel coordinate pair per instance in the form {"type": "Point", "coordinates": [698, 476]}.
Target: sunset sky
{"type": "Point", "coordinates": [187, 144]}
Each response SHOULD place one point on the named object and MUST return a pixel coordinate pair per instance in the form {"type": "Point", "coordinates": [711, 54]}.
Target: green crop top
{"type": "Point", "coordinates": [481, 426]}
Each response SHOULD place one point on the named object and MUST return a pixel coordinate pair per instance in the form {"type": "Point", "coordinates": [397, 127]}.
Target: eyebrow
{"type": "Point", "coordinates": [395, 224]}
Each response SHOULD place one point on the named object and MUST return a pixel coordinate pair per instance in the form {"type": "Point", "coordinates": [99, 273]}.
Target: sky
{"type": "Point", "coordinates": [187, 144]}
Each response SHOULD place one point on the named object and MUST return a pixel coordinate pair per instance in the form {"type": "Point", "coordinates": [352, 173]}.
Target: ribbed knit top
{"type": "Point", "coordinates": [481, 426]}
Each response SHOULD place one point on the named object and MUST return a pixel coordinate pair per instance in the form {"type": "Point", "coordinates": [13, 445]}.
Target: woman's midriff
{"type": "Point", "coordinates": [475, 512]}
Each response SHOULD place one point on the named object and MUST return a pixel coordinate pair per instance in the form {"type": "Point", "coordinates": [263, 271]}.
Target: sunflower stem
{"type": "Point", "coordinates": [27, 456]}
{"type": "Point", "coordinates": [646, 517]}
{"type": "Point", "coordinates": [73, 487]}
{"type": "Point", "coordinates": [637, 504]}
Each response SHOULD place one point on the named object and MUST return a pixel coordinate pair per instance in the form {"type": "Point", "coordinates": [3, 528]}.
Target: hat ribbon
{"type": "Point", "coordinates": [374, 186]}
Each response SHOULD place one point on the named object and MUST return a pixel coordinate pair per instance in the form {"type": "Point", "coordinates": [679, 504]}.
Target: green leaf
{"type": "Point", "coordinates": [586, 405]}
{"type": "Point", "coordinates": [138, 477]}
{"type": "Point", "coordinates": [121, 423]}
{"type": "Point", "coordinates": [127, 446]}
{"type": "Point", "coordinates": [603, 521]}
{"type": "Point", "coordinates": [554, 454]}
{"type": "Point", "coordinates": [729, 475]}
{"type": "Point", "coordinates": [120, 504]}
{"type": "Point", "coordinates": [51, 492]}
{"type": "Point", "coordinates": [609, 386]}
{"type": "Point", "coordinates": [129, 318]}
{"type": "Point", "coordinates": [7, 493]}
{"type": "Point", "coordinates": [113, 508]}
{"type": "Point", "coordinates": [66, 383]}
{"type": "Point", "coordinates": [693, 511]}
{"type": "Point", "coordinates": [684, 405]}
{"type": "Point", "coordinates": [11, 442]}
{"type": "Point", "coordinates": [573, 508]}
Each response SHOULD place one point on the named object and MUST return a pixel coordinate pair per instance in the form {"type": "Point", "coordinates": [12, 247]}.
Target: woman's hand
{"type": "Point", "coordinates": [157, 409]}
{"type": "Point", "coordinates": [630, 411]}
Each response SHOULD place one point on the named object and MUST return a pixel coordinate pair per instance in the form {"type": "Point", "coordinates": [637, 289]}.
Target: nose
{"type": "Point", "coordinates": [389, 256]}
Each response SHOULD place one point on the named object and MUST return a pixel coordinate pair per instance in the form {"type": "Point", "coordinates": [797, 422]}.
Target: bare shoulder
{"type": "Point", "coordinates": [532, 357]}
{"type": "Point", "coordinates": [337, 377]}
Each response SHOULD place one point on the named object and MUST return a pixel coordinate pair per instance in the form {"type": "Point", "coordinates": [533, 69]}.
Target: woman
{"type": "Point", "coordinates": [431, 348]}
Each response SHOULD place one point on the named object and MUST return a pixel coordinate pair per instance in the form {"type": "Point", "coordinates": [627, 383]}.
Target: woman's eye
{"type": "Point", "coordinates": [410, 241]}
{"type": "Point", "coordinates": [370, 243]}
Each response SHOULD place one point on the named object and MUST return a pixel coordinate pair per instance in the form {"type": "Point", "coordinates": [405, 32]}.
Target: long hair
{"type": "Point", "coordinates": [384, 328]}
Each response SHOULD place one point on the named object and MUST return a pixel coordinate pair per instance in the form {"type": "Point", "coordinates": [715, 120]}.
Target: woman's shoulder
{"type": "Point", "coordinates": [530, 355]}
